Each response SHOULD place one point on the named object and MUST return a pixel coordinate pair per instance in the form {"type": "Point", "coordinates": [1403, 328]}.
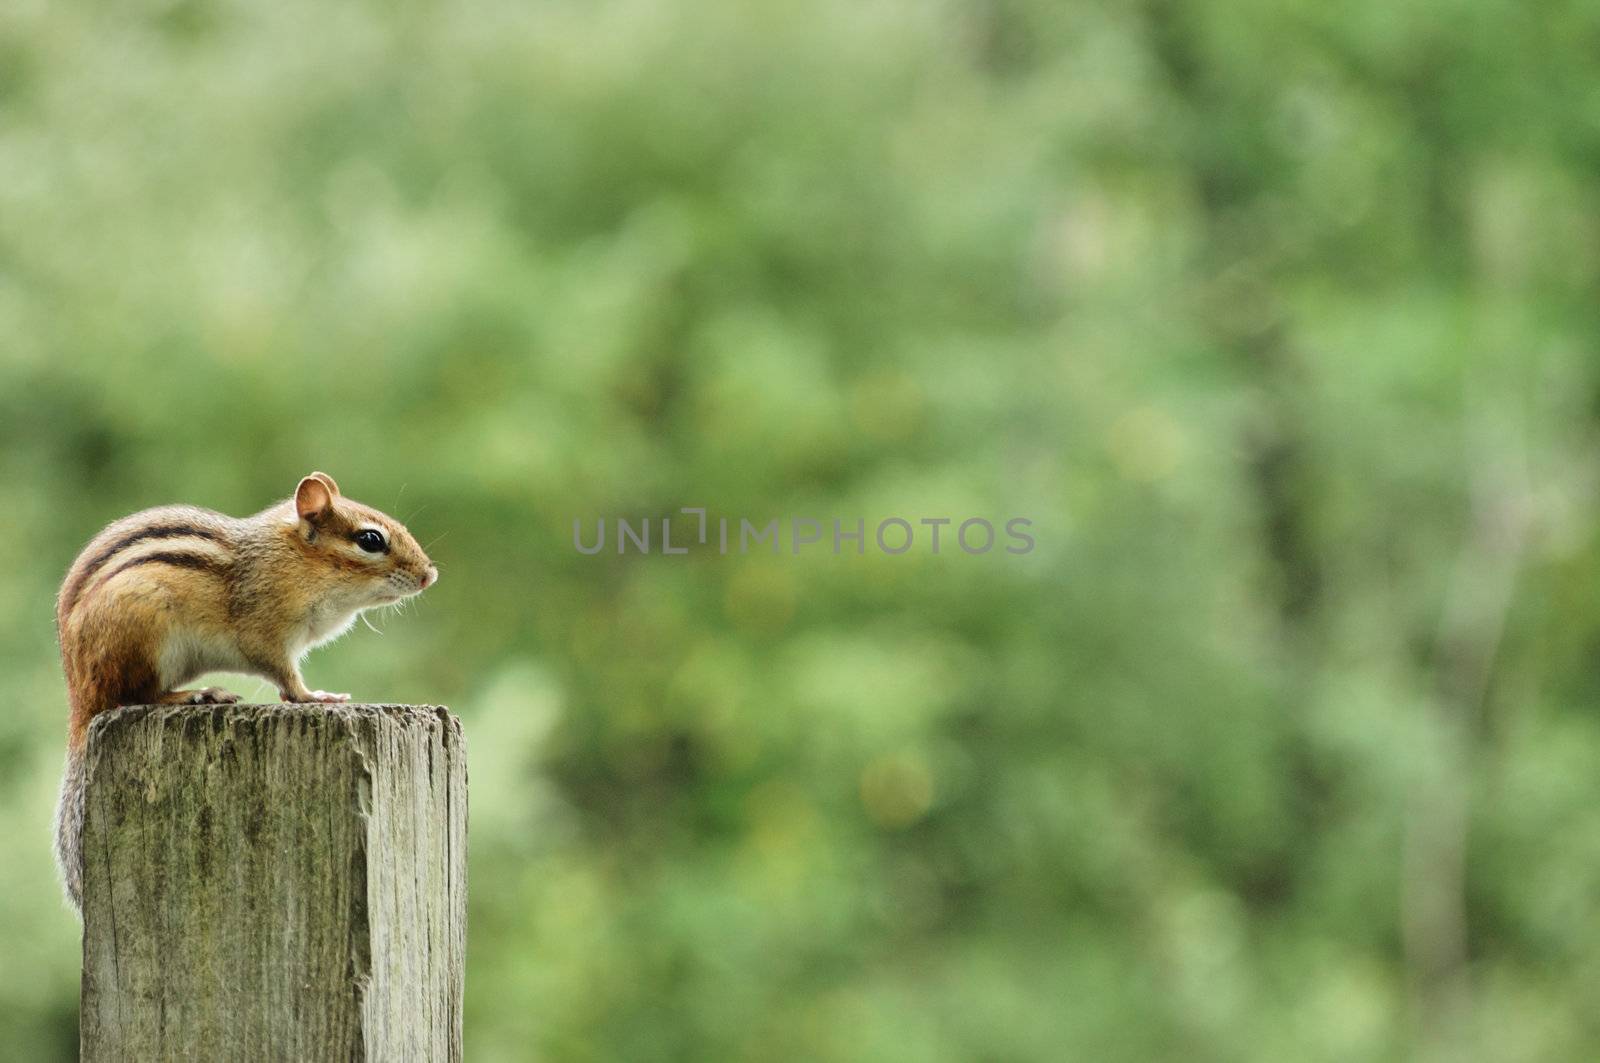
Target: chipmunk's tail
{"type": "Point", "coordinates": [69, 826]}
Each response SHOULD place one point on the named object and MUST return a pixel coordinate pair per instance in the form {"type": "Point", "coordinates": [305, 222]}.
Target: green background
{"type": "Point", "coordinates": [1277, 319]}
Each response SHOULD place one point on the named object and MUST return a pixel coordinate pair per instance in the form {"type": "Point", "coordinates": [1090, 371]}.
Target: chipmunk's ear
{"type": "Point", "coordinates": [312, 499]}
{"type": "Point", "coordinates": [327, 482]}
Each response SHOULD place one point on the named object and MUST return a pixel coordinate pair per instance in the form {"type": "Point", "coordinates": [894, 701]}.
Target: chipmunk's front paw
{"type": "Point", "coordinates": [326, 698]}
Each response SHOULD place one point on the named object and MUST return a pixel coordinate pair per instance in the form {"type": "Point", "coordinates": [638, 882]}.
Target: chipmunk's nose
{"type": "Point", "coordinates": [430, 577]}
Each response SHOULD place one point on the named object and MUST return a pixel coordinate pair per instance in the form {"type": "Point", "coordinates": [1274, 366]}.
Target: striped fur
{"type": "Point", "coordinates": [159, 598]}
{"type": "Point", "coordinates": [198, 562]}
{"type": "Point", "coordinates": [85, 570]}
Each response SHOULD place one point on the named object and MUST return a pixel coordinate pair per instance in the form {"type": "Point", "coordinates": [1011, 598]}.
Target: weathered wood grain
{"type": "Point", "coordinates": [274, 882]}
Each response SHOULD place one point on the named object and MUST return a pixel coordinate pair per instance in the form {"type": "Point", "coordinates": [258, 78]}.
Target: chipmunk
{"type": "Point", "coordinates": [165, 595]}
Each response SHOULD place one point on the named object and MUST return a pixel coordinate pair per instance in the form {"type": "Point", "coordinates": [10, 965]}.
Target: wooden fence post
{"type": "Point", "coordinates": [274, 882]}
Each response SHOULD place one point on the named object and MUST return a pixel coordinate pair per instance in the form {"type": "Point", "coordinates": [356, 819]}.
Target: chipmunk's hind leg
{"type": "Point", "coordinates": [203, 696]}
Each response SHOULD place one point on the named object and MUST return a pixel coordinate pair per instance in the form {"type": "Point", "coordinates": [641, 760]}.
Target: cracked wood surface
{"type": "Point", "coordinates": [274, 882]}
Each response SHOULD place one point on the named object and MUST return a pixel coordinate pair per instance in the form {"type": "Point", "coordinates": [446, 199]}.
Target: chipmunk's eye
{"type": "Point", "coordinates": [371, 541]}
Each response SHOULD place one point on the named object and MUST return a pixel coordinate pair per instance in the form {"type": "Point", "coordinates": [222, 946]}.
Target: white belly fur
{"type": "Point", "coordinates": [187, 654]}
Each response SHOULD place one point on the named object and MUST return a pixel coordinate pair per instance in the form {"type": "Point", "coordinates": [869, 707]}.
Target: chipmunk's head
{"type": "Point", "coordinates": [372, 554]}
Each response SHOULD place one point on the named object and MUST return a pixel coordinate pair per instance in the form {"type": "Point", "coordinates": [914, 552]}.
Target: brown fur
{"type": "Point", "coordinates": [159, 597]}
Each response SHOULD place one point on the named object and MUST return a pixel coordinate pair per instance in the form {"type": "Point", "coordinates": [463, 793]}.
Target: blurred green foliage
{"type": "Point", "coordinates": [1276, 318]}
